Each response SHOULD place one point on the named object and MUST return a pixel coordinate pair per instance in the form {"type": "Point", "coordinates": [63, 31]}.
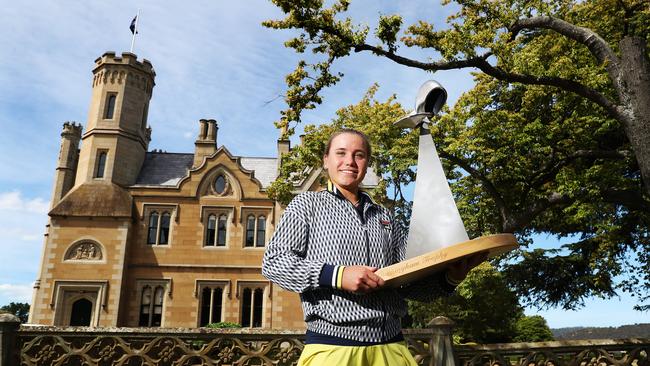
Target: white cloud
{"type": "Point", "coordinates": [15, 293]}
{"type": "Point", "coordinates": [13, 201]}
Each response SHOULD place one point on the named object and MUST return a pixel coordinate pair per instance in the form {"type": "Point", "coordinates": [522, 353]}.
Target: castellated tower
{"type": "Point", "coordinates": [117, 136]}
{"type": "Point", "coordinates": [66, 168]}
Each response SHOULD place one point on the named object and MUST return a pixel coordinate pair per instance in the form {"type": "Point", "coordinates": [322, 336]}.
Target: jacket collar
{"type": "Point", "coordinates": [363, 196]}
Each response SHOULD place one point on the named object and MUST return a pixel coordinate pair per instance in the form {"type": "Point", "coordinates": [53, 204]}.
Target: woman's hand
{"type": "Point", "coordinates": [361, 279]}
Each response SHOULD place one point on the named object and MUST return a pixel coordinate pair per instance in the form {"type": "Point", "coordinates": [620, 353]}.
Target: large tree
{"type": "Point", "coordinates": [494, 37]}
{"type": "Point", "coordinates": [553, 139]}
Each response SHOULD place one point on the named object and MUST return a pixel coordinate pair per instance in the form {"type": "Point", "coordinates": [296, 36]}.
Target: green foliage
{"type": "Point", "coordinates": [223, 325]}
{"type": "Point", "coordinates": [540, 162]}
{"type": "Point", "coordinates": [19, 309]}
{"type": "Point", "coordinates": [532, 329]}
{"type": "Point", "coordinates": [521, 158]}
{"type": "Point", "coordinates": [484, 309]}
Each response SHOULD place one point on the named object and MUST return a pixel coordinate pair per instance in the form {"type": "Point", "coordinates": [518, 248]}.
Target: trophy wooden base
{"type": "Point", "coordinates": [426, 264]}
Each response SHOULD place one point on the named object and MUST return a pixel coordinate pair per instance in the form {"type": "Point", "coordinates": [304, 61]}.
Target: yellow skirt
{"type": "Point", "coordinates": [391, 354]}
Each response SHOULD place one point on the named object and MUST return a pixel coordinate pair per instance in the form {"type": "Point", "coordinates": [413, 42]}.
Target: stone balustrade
{"type": "Point", "coordinates": [29, 345]}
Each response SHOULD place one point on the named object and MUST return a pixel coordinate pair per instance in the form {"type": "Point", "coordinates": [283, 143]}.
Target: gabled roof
{"type": "Point", "coordinates": [168, 169]}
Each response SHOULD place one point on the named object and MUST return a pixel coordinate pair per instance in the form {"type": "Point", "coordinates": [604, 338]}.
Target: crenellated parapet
{"type": "Point", "coordinates": [71, 129]}
{"type": "Point", "coordinates": [110, 69]}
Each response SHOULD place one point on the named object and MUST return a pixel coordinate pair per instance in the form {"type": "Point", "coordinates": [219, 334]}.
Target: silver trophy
{"type": "Point", "coordinates": [435, 221]}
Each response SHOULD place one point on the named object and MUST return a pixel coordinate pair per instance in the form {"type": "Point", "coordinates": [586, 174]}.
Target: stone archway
{"type": "Point", "coordinates": [81, 312]}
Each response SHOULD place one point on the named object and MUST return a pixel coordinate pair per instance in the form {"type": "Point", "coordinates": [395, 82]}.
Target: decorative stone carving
{"type": "Point", "coordinates": [85, 250]}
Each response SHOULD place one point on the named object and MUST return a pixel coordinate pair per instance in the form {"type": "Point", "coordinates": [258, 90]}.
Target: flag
{"type": "Point", "coordinates": [132, 26]}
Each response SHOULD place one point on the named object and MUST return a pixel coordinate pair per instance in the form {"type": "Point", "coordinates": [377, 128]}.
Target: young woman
{"type": "Point", "coordinates": [327, 247]}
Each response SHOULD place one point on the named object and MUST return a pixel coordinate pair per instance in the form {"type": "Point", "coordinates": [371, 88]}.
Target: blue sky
{"type": "Point", "coordinates": [213, 59]}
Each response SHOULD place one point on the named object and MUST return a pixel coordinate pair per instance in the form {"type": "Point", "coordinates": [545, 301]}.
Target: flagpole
{"type": "Point", "coordinates": [135, 31]}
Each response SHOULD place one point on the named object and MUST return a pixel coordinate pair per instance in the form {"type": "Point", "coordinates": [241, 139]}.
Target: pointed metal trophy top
{"type": "Point", "coordinates": [436, 234]}
{"type": "Point", "coordinates": [435, 221]}
{"type": "Point", "coordinates": [429, 101]}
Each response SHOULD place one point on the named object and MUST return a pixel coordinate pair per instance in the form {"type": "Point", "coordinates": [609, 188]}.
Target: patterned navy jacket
{"type": "Point", "coordinates": [319, 233]}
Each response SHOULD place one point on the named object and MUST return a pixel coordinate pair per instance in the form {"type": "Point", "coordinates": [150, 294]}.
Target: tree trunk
{"type": "Point", "coordinates": [634, 95]}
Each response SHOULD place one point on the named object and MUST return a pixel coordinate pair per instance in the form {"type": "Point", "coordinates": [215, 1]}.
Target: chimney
{"type": "Point", "coordinates": [206, 142]}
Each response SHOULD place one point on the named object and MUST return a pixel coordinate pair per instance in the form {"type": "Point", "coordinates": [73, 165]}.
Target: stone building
{"type": "Point", "coordinates": [148, 238]}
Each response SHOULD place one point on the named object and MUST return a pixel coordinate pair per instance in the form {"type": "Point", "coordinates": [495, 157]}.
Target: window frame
{"type": "Point", "coordinates": [148, 210]}
{"type": "Point", "coordinates": [259, 290]}
{"type": "Point", "coordinates": [201, 286]}
{"type": "Point", "coordinates": [155, 285]}
{"type": "Point", "coordinates": [223, 215]}
{"type": "Point", "coordinates": [101, 158]}
{"type": "Point", "coordinates": [256, 213]}
{"type": "Point", "coordinates": [109, 107]}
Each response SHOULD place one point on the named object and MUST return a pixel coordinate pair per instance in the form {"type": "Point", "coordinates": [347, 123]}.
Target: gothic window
{"type": "Point", "coordinates": [151, 305]}
{"type": "Point", "coordinates": [158, 228]}
{"type": "Point", "coordinates": [101, 164]}
{"type": "Point", "coordinates": [252, 306]}
{"type": "Point", "coordinates": [216, 230]}
{"type": "Point", "coordinates": [220, 185]}
{"type": "Point", "coordinates": [211, 305]}
{"type": "Point", "coordinates": [110, 106]}
{"type": "Point", "coordinates": [255, 231]}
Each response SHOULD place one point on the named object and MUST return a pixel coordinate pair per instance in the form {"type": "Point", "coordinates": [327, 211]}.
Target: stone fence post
{"type": "Point", "coordinates": [9, 325]}
{"type": "Point", "coordinates": [441, 344]}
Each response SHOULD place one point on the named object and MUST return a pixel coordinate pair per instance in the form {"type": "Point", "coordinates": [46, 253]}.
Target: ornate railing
{"type": "Point", "coordinates": [165, 346]}
{"type": "Point", "coordinates": [600, 352]}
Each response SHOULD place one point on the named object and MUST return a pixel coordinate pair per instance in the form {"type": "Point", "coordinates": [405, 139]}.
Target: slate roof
{"type": "Point", "coordinates": [164, 169]}
{"type": "Point", "coordinates": [266, 169]}
{"type": "Point", "coordinates": [167, 169]}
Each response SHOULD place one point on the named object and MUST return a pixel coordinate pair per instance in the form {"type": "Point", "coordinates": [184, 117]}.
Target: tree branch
{"type": "Point", "coordinates": [428, 66]}
{"type": "Point", "coordinates": [525, 217]}
{"type": "Point", "coordinates": [486, 184]}
{"type": "Point", "coordinates": [482, 64]}
{"type": "Point", "coordinates": [596, 44]}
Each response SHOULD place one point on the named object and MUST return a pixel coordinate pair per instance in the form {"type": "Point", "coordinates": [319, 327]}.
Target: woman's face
{"type": "Point", "coordinates": [346, 161]}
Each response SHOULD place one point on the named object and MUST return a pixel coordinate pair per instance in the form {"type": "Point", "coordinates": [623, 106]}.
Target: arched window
{"type": "Point", "coordinates": [250, 230]}
{"type": "Point", "coordinates": [211, 305]}
{"type": "Point", "coordinates": [82, 311]}
{"type": "Point", "coordinates": [261, 231]}
{"type": "Point", "coordinates": [211, 229]}
{"type": "Point", "coordinates": [163, 235]}
{"type": "Point", "coordinates": [255, 231]}
{"type": "Point", "coordinates": [252, 307]}
{"type": "Point", "coordinates": [101, 164]}
{"type": "Point", "coordinates": [153, 228]}
{"type": "Point", "coordinates": [151, 305]}
{"type": "Point", "coordinates": [110, 106]}
{"type": "Point", "coordinates": [158, 228]}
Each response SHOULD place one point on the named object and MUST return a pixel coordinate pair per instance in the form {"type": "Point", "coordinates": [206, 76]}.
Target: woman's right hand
{"type": "Point", "coordinates": [361, 279]}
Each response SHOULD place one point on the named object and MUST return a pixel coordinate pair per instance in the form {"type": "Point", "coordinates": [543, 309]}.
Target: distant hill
{"type": "Point", "coordinates": [625, 331]}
